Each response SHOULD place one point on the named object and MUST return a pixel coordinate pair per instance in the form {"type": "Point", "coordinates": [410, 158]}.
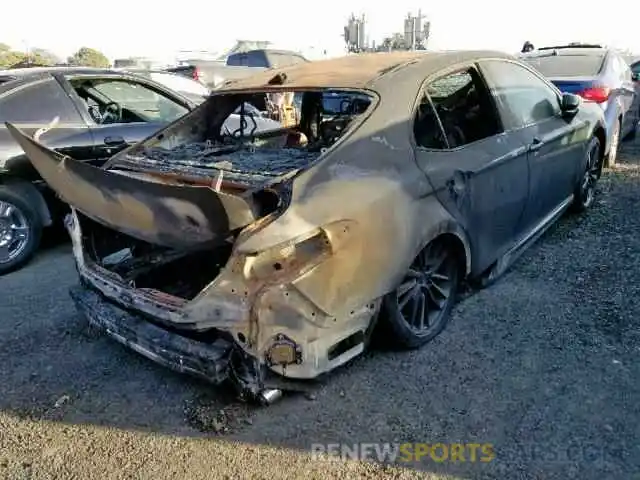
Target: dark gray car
{"type": "Point", "coordinates": [279, 253]}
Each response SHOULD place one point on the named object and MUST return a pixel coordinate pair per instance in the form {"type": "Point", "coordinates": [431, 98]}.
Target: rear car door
{"type": "Point", "coordinates": [122, 111]}
{"type": "Point", "coordinates": [479, 173]}
{"type": "Point", "coordinates": [31, 106]}
{"type": "Point", "coordinates": [626, 93]}
{"type": "Point", "coordinates": [530, 108]}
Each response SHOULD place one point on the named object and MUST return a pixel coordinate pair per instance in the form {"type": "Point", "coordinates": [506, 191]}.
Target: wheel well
{"type": "Point", "coordinates": [454, 242]}
{"type": "Point", "coordinates": [600, 134]}
{"type": "Point", "coordinates": [30, 194]}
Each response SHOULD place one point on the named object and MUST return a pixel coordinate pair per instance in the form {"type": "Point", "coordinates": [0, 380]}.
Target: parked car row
{"type": "Point", "coordinates": [265, 257]}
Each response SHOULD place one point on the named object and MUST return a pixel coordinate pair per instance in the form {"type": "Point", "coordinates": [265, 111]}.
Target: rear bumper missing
{"type": "Point", "coordinates": [214, 362]}
{"type": "Point", "coordinates": [208, 361]}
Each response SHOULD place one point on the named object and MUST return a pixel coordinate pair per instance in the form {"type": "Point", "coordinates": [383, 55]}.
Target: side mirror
{"type": "Point", "coordinates": [570, 103]}
{"type": "Point", "coordinates": [635, 76]}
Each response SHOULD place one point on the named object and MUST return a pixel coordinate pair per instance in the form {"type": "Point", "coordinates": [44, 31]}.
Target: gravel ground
{"type": "Point", "coordinates": [543, 365]}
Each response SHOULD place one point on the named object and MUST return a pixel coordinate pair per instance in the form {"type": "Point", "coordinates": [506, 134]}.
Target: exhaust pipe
{"type": "Point", "coordinates": [269, 396]}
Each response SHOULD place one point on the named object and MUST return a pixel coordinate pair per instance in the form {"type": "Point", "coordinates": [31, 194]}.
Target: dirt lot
{"type": "Point", "coordinates": [543, 365]}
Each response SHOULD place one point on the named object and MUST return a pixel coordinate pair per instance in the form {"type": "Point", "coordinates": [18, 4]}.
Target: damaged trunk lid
{"type": "Point", "coordinates": [166, 214]}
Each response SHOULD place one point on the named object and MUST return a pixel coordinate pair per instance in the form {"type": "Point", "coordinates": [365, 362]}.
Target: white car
{"type": "Point", "coordinates": [191, 89]}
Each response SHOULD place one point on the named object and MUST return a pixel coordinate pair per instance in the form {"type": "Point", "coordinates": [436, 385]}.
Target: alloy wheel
{"type": "Point", "coordinates": [590, 177]}
{"type": "Point", "coordinates": [14, 231]}
{"type": "Point", "coordinates": [427, 290]}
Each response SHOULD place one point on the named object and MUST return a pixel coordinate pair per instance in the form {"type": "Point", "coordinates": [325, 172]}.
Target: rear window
{"type": "Point", "coordinates": [554, 66]}
{"type": "Point", "coordinates": [277, 59]}
{"type": "Point", "coordinates": [247, 59]}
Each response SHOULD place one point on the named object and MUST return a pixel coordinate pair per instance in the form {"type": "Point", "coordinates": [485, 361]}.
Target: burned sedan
{"type": "Point", "coordinates": [266, 258]}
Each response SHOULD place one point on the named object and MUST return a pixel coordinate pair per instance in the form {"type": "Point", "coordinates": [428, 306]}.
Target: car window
{"type": "Point", "coordinates": [565, 65]}
{"type": "Point", "coordinates": [522, 97]}
{"type": "Point", "coordinates": [623, 69]}
{"type": "Point", "coordinates": [38, 103]}
{"type": "Point", "coordinates": [179, 83]}
{"type": "Point", "coordinates": [279, 59]}
{"type": "Point", "coordinates": [123, 101]}
{"type": "Point", "coordinates": [455, 110]}
{"type": "Point", "coordinates": [635, 68]}
{"type": "Point", "coordinates": [248, 59]}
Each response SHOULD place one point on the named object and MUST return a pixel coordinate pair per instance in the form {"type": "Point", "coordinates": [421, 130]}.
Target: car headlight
{"type": "Point", "coordinates": [289, 260]}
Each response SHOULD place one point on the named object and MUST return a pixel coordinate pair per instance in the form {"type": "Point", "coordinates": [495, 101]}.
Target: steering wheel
{"type": "Point", "coordinates": [112, 113]}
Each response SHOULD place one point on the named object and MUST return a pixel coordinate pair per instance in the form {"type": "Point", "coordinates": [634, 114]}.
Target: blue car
{"type": "Point", "coordinates": [598, 75]}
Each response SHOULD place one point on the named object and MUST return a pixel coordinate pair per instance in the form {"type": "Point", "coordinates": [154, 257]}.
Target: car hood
{"type": "Point", "coordinates": [166, 214]}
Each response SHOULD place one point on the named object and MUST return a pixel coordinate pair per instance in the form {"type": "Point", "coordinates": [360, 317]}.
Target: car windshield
{"type": "Point", "coordinates": [567, 65]}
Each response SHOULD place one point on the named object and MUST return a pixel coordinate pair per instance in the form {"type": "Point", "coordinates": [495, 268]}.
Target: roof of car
{"type": "Point", "coordinates": [569, 51]}
{"type": "Point", "coordinates": [38, 71]}
{"type": "Point", "coordinates": [268, 50]}
{"type": "Point", "coordinates": [357, 71]}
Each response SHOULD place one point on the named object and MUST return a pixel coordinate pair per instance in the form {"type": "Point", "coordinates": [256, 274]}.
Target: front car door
{"type": "Point", "coordinates": [122, 111]}
{"type": "Point", "coordinates": [530, 107]}
{"type": "Point", "coordinates": [32, 106]}
{"type": "Point", "coordinates": [480, 173]}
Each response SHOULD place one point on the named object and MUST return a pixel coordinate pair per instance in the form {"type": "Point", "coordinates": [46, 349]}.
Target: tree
{"type": "Point", "coordinates": [15, 59]}
{"type": "Point", "coordinates": [88, 57]}
{"type": "Point", "coordinates": [9, 58]}
{"type": "Point", "coordinates": [44, 56]}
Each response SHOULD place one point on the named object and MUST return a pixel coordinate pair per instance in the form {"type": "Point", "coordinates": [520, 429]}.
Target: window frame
{"type": "Point", "coordinates": [422, 93]}
{"type": "Point", "coordinates": [158, 90]}
{"type": "Point", "coordinates": [79, 119]}
{"type": "Point", "coordinates": [533, 72]}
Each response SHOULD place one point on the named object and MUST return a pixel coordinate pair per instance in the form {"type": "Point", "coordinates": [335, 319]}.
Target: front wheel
{"type": "Point", "coordinates": [420, 307]}
{"type": "Point", "coordinates": [585, 193]}
{"type": "Point", "coordinates": [20, 231]}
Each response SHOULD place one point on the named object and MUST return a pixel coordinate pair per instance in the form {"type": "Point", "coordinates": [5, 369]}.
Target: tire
{"type": "Point", "coordinates": [20, 231]}
{"type": "Point", "coordinates": [612, 156]}
{"type": "Point", "coordinates": [432, 281]}
{"type": "Point", "coordinates": [585, 192]}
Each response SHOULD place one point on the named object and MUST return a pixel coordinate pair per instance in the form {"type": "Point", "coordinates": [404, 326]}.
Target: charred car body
{"type": "Point", "coordinates": [231, 255]}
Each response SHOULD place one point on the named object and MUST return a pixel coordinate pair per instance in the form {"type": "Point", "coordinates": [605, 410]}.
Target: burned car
{"type": "Point", "coordinates": [266, 258]}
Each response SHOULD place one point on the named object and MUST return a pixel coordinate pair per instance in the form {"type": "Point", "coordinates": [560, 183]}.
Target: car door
{"type": "Point", "coordinates": [627, 94]}
{"type": "Point", "coordinates": [479, 173]}
{"type": "Point", "coordinates": [530, 108]}
{"type": "Point", "coordinates": [123, 111]}
{"type": "Point", "coordinates": [31, 106]}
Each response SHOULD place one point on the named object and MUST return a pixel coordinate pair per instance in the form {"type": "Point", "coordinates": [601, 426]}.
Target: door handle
{"type": "Point", "coordinates": [536, 144]}
{"type": "Point", "coordinates": [114, 141]}
{"type": "Point", "coordinates": [457, 184]}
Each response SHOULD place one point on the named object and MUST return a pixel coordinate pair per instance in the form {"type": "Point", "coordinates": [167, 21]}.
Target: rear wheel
{"type": "Point", "coordinates": [585, 193]}
{"type": "Point", "coordinates": [20, 231]}
{"type": "Point", "coordinates": [420, 307]}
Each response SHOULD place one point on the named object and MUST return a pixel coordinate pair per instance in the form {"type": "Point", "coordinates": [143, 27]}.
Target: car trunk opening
{"type": "Point", "coordinates": [150, 267]}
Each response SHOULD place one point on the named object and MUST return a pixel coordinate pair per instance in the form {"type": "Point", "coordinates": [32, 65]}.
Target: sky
{"type": "Point", "coordinates": [123, 28]}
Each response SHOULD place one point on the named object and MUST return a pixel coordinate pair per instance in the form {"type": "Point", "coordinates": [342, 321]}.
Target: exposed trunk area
{"type": "Point", "coordinates": [142, 265]}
